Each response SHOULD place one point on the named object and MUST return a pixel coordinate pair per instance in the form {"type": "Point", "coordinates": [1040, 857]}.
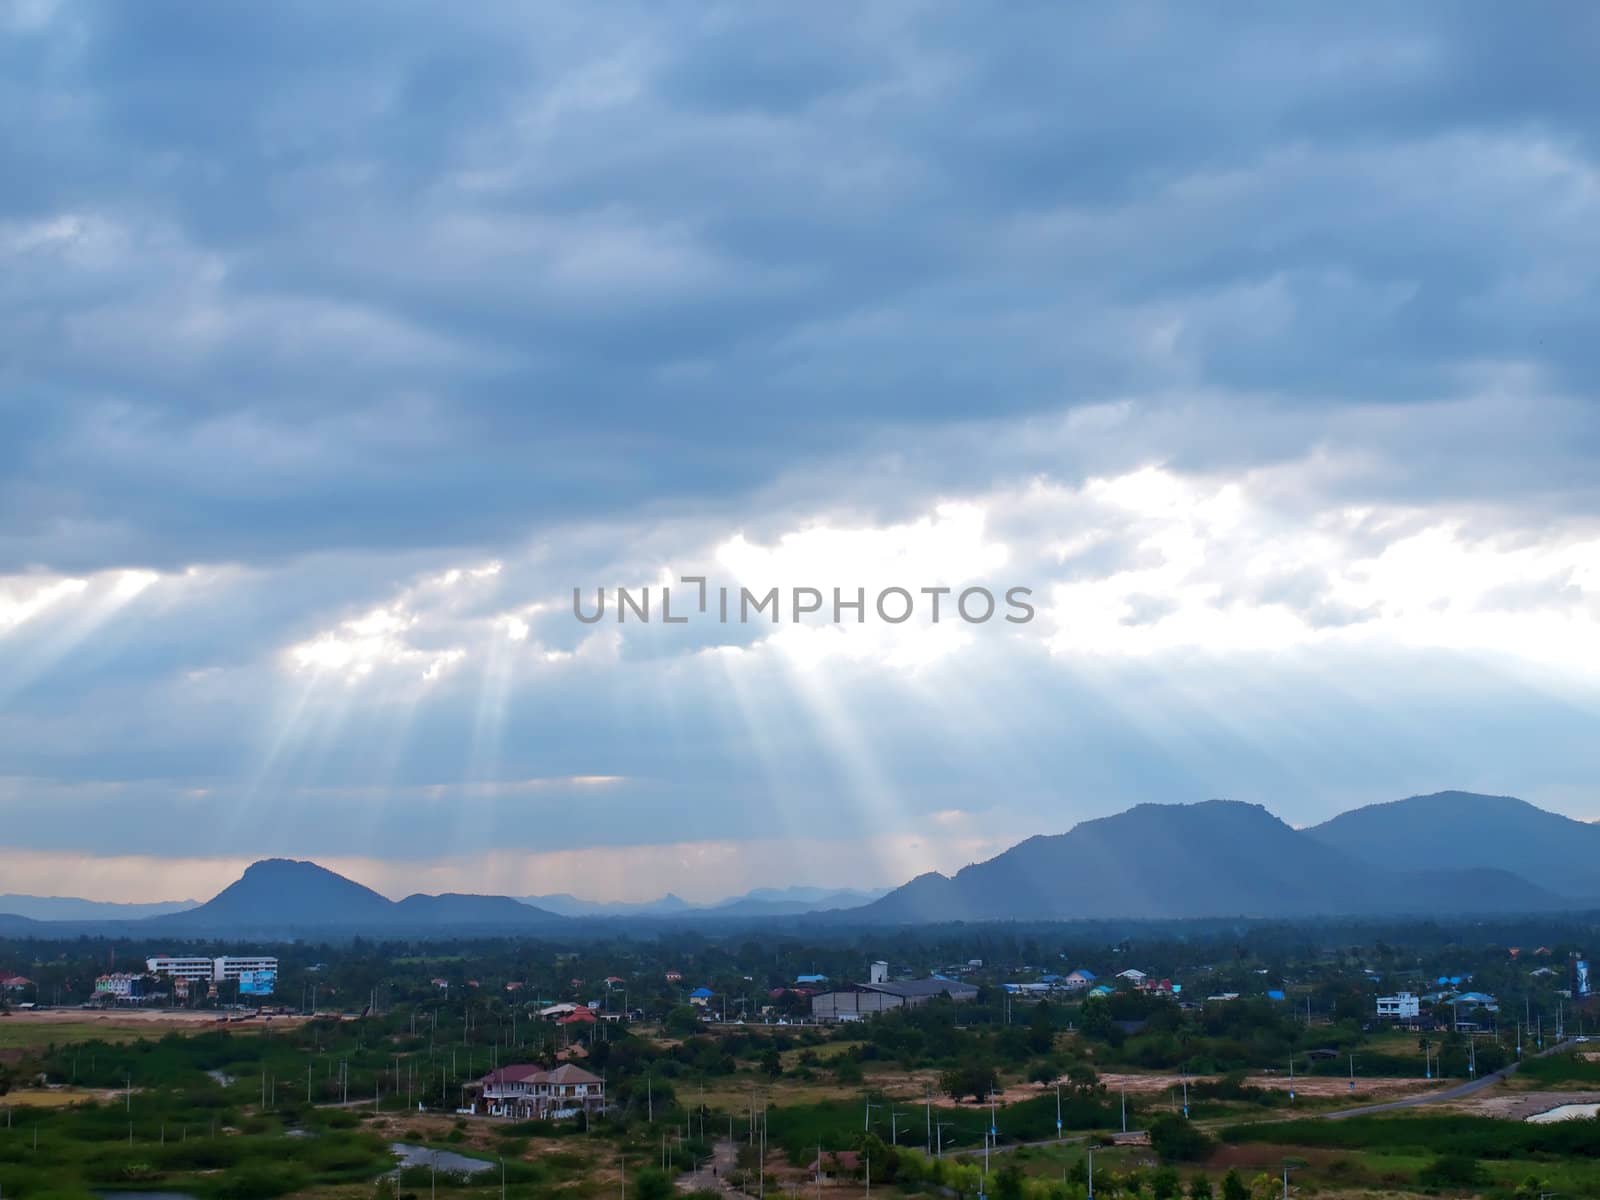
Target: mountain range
{"type": "Point", "coordinates": [285, 896]}
{"type": "Point", "coordinates": [1446, 853]}
{"type": "Point", "coordinates": [1222, 858]}
{"type": "Point", "coordinates": [759, 902]}
{"type": "Point", "coordinates": [70, 908]}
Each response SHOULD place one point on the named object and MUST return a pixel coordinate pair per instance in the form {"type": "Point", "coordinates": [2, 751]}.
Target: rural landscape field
{"type": "Point", "coordinates": [1178, 1060]}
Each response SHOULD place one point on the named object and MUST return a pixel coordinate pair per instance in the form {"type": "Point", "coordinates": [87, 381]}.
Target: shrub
{"type": "Point", "coordinates": [1176, 1139]}
{"type": "Point", "coordinates": [1452, 1170]}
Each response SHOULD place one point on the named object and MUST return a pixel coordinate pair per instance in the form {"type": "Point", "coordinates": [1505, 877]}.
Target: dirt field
{"type": "Point", "coordinates": [914, 1086]}
{"type": "Point", "coordinates": [56, 1097]}
{"type": "Point", "coordinates": [1517, 1106]}
{"type": "Point", "coordinates": [40, 1027]}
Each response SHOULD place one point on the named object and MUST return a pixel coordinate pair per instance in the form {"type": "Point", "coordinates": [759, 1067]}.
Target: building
{"type": "Point", "coordinates": [879, 972]}
{"type": "Point", "coordinates": [1132, 976]}
{"type": "Point", "coordinates": [531, 1092]}
{"type": "Point", "coordinates": [1401, 1007]}
{"type": "Point", "coordinates": [1079, 980]}
{"type": "Point", "coordinates": [15, 983]}
{"type": "Point", "coordinates": [216, 970]}
{"type": "Point", "coordinates": [701, 997]}
{"type": "Point", "coordinates": [120, 987]}
{"type": "Point", "coordinates": [177, 967]}
{"type": "Point", "coordinates": [867, 999]}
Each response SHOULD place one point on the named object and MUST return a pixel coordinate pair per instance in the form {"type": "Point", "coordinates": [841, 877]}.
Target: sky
{"type": "Point", "coordinates": [339, 344]}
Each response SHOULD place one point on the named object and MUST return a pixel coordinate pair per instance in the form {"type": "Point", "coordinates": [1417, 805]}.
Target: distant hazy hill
{"type": "Point", "coordinates": [280, 894]}
{"type": "Point", "coordinates": [567, 905]}
{"type": "Point", "coordinates": [760, 902]}
{"type": "Point", "coordinates": [1217, 858]}
{"type": "Point", "coordinates": [1463, 829]}
{"type": "Point", "coordinates": [456, 909]}
{"type": "Point", "coordinates": [784, 902]}
{"type": "Point", "coordinates": [69, 908]}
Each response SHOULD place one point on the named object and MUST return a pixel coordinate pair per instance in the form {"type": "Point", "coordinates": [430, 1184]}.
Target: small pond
{"type": "Point", "coordinates": [1565, 1112]}
{"type": "Point", "coordinates": [444, 1160]}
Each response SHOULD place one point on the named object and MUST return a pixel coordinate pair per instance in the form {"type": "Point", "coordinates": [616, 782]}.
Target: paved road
{"type": "Point", "coordinates": [1450, 1093]}
{"type": "Point", "coordinates": [713, 1173]}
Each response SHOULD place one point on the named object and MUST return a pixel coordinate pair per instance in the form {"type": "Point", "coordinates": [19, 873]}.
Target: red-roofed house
{"type": "Point", "coordinates": [523, 1092]}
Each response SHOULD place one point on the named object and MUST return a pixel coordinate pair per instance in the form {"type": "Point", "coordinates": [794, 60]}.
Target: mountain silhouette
{"type": "Point", "coordinates": [1464, 829]}
{"type": "Point", "coordinates": [1218, 858]}
{"type": "Point", "coordinates": [280, 895]}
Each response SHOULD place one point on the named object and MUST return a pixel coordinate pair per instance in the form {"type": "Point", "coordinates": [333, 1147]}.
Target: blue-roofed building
{"type": "Point", "coordinates": [701, 997]}
{"type": "Point", "coordinates": [811, 979]}
{"type": "Point", "coordinates": [1275, 994]}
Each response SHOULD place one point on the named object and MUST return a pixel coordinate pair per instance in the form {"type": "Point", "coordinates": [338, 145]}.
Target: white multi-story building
{"type": "Point", "coordinates": [177, 967]}
{"type": "Point", "coordinates": [231, 968]}
{"type": "Point", "coordinates": [214, 970]}
{"type": "Point", "coordinates": [1401, 1007]}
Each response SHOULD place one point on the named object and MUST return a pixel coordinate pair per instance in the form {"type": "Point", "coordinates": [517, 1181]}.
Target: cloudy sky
{"type": "Point", "coordinates": [340, 343]}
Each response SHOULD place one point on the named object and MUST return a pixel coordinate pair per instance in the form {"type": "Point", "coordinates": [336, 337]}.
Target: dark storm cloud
{"type": "Point", "coordinates": [298, 277]}
{"type": "Point", "coordinates": [1218, 314]}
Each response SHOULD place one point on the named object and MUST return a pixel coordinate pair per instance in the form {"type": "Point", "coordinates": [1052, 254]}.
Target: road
{"type": "Point", "coordinates": [1452, 1093]}
{"type": "Point", "coordinates": [704, 1179]}
{"type": "Point", "coordinates": [712, 1175]}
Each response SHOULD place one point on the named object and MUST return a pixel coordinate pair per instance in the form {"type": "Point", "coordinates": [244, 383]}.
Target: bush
{"type": "Point", "coordinates": [1176, 1139]}
{"type": "Point", "coordinates": [1452, 1170]}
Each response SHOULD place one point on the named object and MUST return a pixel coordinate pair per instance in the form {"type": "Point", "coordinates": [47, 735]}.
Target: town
{"type": "Point", "coordinates": [996, 1061]}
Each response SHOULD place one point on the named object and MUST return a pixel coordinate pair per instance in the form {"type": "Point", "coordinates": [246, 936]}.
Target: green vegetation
{"type": "Point", "coordinates": [309, 1110]}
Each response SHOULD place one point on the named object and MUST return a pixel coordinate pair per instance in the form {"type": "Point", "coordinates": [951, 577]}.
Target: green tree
{"type": "Point", "coordinates": [1234, 1186]}
{"type": "Point", "coordinates": [771, 1063]}
{"type": "Point", "coordinates": [652, 1184]}
{"type": "Point", "coordinates": [1176, 1139]}
{"type": "Point", "coordinates": [682, 1021]}
{"type": "Point", "coordinates": [1165, 1184]}
{"type": "Point", "coordinates": [1008, 1181]}
{"type": "Point", "coordinates": [969, 1079]}
{"type": "Point", "coordinates": [1200, 1188]}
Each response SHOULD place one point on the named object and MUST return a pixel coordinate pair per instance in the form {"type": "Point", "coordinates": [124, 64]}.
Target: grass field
{"type": "Point", "coordinates": [63, 1026]}
{"type": "Point", "coordinates": [59, 1097]}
